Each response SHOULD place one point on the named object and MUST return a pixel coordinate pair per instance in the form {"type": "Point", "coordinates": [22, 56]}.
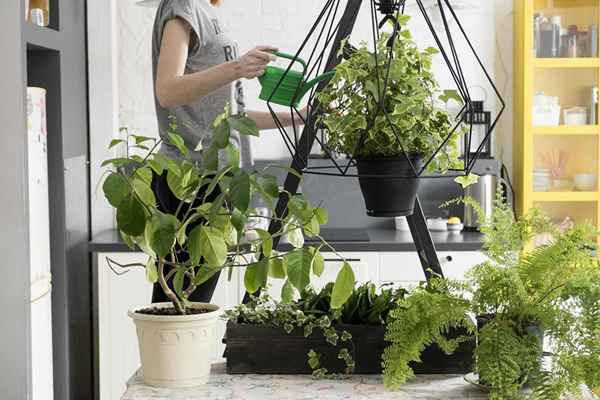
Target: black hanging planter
{"type": "Point", "coordinates": [389, 185]}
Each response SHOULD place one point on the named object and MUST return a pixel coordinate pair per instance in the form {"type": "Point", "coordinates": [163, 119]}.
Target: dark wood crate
{"type": "Point", "coordinates": [267, 349]}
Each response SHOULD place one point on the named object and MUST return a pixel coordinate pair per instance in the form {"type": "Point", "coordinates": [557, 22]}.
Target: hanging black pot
{"type": "Point", "coordinates": [389, 185]}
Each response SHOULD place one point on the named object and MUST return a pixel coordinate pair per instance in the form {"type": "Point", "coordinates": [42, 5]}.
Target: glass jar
{"type": "Point", "coordinates": [39, 12]}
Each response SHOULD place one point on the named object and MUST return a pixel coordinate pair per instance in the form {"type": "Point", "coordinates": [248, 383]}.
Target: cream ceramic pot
{"type": "Point", "coordinates": [175, 350]}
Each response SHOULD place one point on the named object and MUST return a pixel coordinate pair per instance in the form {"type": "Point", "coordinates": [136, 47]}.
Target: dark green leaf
{"type": "Point", "coordinates": [178, 281]}
{"type": "Point", "coordinates": [240, 191]}
{"type": "Point", "coordinates": [142, 139]}
{"type": "Point", "coordinates": [131, 217]}
{"type": "Point", "coordinates": [221, 135]}
{"type": "Point", "coordinates": [243, 125]}
{"type": "Point", "coordinates": [204, 273]}
{"type": "Point", "coordinates": [168, 164]}
{"type": "Point", "coordinates": [256, 276]}
{"type": "Point", "coordinates": [344, 284]}
{"type": "Point", "coordinates": [210, 158]}
{"type": "Point", "coordinates": [116, 188]}
{"type": "Point", "coordinates": [270, 185]}
{"type": "Point", "coordinates": [162, 232]}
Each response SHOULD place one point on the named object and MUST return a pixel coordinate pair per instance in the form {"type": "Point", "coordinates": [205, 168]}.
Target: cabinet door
{"type": "Point", "coordinates": [456, 264]}
{"type": "Point", "coordinates": [363, 264]}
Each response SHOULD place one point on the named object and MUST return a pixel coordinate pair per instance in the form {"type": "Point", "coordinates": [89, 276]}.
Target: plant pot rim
{"type": "Point", "coordinates": [389, 158]}
{"type": "Point", "coordinates": [136, 316]}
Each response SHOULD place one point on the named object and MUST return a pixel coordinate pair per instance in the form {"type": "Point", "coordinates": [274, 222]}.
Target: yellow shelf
{"type": "Point", "coordinates": [565, 196]}
{"type": "Point", "coordinates": [566, 130]}
{"type": "Point", "coordinates": [566, 62]}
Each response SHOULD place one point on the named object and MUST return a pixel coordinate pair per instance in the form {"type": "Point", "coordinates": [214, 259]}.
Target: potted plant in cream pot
{"type": "Point", "coordinates": [207, 233]}
{"type": "Point", "coordinates": [356, 124]}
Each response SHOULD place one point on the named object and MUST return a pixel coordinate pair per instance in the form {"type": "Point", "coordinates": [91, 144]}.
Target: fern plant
{"type": "Point", "coordinates": [426, 317]}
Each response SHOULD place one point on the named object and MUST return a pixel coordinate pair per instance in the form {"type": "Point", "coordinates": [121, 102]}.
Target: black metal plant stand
{"type": "Point", "coordinates": [332, 34]}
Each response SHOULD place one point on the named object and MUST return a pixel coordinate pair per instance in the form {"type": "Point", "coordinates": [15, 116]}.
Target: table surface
{"type": "Point", "coordinates": [298, 387]}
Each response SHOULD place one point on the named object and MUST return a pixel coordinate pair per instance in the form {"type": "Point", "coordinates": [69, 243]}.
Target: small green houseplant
{"type": "Point", "coordinates": [375, 132]}
{"type": "Point", "coordinates": [202, 237]}
{"type": "Point", "coordinates": [523, 295]}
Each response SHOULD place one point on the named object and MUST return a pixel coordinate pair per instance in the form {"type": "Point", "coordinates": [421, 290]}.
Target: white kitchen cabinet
{"type": "Point", "coordinates": [405, 268]}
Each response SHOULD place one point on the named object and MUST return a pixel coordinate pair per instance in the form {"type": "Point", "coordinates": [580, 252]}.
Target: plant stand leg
{"type": "Point", "coordinates": [309, 133]}
{"type": "Point", "coordinates": [424, 243]}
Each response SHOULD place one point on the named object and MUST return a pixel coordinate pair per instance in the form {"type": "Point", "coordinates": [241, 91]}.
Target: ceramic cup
{"type": "Point", "coordinates": [586, 182]}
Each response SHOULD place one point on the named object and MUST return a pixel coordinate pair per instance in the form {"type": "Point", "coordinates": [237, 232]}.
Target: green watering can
{"type": "Point", "coordinates": [292, 87]}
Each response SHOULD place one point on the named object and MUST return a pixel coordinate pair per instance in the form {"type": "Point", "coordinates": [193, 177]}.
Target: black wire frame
{"type": "Point", "coordinates": [324, 31]}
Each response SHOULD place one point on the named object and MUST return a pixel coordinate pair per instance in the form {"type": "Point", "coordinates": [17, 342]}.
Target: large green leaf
{"type": "Point", "coordinates": [151, 272]}
{"type": "Point", "coordinates": [144, 192]}
{"type": "Point", "coordinates": [178, 280]}
{"type": "Point", "coordinates": [270, 185]}
{"type": "Point", "coordinates": [277, 268]}
{"type": "Point", "coordinates": [267, 241]}
{"type": "Point", "coordinates": [298, 268]}
{"type": "Point", "coordinates": [162, 232]}
{"type": "Point", "coordinates": [344, 284]}
{"type": "Point", "coordinates": [287, 292]}
{"type": "Point", "coordinates": [238, 219]}
{"type": "Point", "coordinates": [317, 262]}
{"type": "Point", "coordinates": [131, 217]}
{"type": "Point", "coordinates": [209, 243]}
{"type": "Point", "coordinates": [115, 188]}
{"type": "Point", "coordinates": [243, 125]}
{"type": "Point", "coordinates": [256, 276]}
{"type": "Point", "coordinates": [240, 191]}
{"type": "Point", "coordinates": [166, 163]}
{"type": "Point", "coordinates": [204, 273]}
{"type": "Point", "coordinates": [221, 135]}
{"type": "Point", "coordinates": [145, 174]}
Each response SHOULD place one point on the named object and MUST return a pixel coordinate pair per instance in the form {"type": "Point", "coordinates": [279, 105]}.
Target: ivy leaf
{"type": "Point", "coordinates": [208, 242]}
{"type": "Point", "coordinates": [267, 241]}
{"type": "Point", "coordinates": [151, 271]}
{"type": "Point", "coordinates": [298, 268]}
{"type": "Point", "coordinates": [144, 192]}
{"type": "Point", "coordinates": [344, 284]}
{"type": "Point", "coordinates": [448, 95]}
{"type": "Point", "coordinates": [256, 276]}
{"type": "Point", "coordinates": [115, 188]}
{"type": "Point", "coordinates": [221, 135]}
{"type": "Point", "coordinates": [287, 292]}
{"type": "Point", "coordinates": [179, 143]}
{"type": "Point", "coordinates": [277, 268]}
{"type": "Point", "coordinates": [240, 191]}
{"type": "Point", "coordinates": [467, 180]}
{"type": "Point", "coordinates": [131, 216]}
{"type": "Point", "coordinates": [243, 125]}
{"type": "Point", "coordinates": [162, 232]}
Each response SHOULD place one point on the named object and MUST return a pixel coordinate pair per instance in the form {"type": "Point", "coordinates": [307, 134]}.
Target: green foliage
{"type": "Point", "coordinates": [214, 233]}
{"type": "Point", "coordinates": [554, 288]}
{"type": "Point", "coordinates": [425, 317]}
{"type": "Point", "coordinates": [313, 312]}
{"type": "Point", "coordinates": [354, 94]}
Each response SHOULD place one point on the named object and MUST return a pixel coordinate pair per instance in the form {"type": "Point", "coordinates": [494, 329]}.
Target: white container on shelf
{"type": "Point", "coordinates": [586, 182]}
{"type": "Point", "coordinates": [546, 110]}
{"type": "Point", "coordinates": [575, 116]}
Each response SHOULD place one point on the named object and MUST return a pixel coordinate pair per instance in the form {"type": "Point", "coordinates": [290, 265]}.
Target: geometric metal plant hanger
{"type": "Point", "coordinates": [383, 13]}
{"type": "Point", "coordinates": [329, 34]}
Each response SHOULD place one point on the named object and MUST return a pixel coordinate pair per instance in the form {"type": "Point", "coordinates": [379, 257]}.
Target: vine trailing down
{"type": "Point", "coordinates": [215, 233]}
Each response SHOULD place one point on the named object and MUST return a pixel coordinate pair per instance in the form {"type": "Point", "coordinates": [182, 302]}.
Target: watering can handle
{"type": "Point", "coordinates": [293, 58]}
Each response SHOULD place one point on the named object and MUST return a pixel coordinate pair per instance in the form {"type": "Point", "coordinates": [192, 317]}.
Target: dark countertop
{"type": "Point", "coordinates": [381, 240]}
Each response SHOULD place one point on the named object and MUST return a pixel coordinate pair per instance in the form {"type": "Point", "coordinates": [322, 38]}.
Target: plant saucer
{"type": "Point", "coordinates": [473, 379]}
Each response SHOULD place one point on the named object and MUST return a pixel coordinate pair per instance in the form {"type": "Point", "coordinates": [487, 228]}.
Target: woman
{"type": "Point", "coordinates": [195, 65]}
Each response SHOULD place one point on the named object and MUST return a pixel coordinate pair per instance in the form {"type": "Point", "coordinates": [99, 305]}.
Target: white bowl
{"type": "Point", "coordinates": [401, 224]}
{"type": "Point", "coordinates": [586, 182]}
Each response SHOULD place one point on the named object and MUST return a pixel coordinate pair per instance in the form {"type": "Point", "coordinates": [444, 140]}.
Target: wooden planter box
{"type": "Point", "coordinates": [267, 349]}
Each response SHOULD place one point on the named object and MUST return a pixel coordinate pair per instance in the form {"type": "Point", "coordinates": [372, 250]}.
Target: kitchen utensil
{"type": "Point", "coordinates": [556, 162]}
{"type": "Point", "coordinates": [455, 228]}
{"type": "Point", "coordinates": [586, 182]}
{"type": "Point", "coordinates": [285, 86]}
{"type": "Point", "coordinates": [484, 193]}
{"type": "Point", "coordinates": [575, 116]}
{"type": "Point", "coordinates": [437, 224]}
{"type": "Point", "coordinates": [546, 110]}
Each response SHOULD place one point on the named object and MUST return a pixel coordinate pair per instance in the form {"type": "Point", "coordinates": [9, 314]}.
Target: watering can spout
{"type": "Point", "coordinates": [287, 87]}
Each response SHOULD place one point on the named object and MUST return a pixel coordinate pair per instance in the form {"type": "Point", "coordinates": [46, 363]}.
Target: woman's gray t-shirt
{"type": "Point", "coordinates": [211, 46]}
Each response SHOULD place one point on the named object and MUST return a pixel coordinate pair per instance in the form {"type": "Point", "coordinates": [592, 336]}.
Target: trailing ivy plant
{"type": "Point", "coordinates": [312, 313]}
{"type": "Point", "coordinates": [524, 293]}
{"type": "Point", "coordinates": [213, 233]}
{"type": "Point", "coordinates": [433, 313]}
{"type": "Point", "coordinates": [354, 103]}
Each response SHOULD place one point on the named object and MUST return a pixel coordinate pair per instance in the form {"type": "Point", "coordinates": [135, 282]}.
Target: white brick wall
{"type": "Point", "coordinates": [284, 23]}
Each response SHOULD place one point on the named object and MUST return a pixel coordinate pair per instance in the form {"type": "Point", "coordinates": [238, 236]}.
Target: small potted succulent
{"type": "Point", "coordinates": [206, 234]}
{"type": "Point", "coordinates": [390, 140]}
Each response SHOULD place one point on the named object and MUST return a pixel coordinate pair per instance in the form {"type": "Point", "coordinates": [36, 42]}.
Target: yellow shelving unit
{"type": "Point", "coordinates": [571, 80]}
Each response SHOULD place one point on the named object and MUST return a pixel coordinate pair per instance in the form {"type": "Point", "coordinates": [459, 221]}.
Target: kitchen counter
{"type": "Point", "coordinates": [380, 240]}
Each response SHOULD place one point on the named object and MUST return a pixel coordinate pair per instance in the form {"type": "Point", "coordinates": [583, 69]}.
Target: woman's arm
{"type": "Point", "coordinates": [264, 120]}
{"type": "Point", "coordinates": [175, 88]}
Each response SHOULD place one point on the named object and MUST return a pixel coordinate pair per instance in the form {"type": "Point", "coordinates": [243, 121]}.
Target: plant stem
{"type": "Point", "coordinates": [167, 290]}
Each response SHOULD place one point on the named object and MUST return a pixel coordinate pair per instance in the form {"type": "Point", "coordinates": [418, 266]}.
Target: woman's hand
{"type": "Point", "coordinates": [253, 63]}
